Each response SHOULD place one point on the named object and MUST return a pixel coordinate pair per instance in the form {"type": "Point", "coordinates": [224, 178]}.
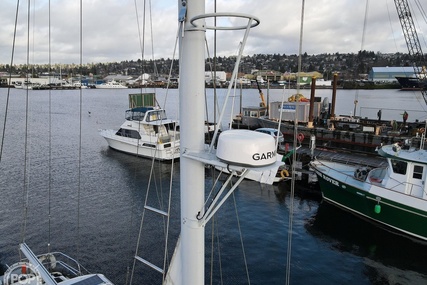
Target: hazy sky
{"type": "Point", "coordinates": [110, 29]}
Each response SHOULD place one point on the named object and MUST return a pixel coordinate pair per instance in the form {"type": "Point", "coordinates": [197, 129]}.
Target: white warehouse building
{"type": "Point", "coordinates": [389, 73]}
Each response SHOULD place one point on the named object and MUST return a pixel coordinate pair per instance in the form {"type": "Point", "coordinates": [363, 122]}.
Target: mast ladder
{"type": "Point", "coordinates": [143, 260]}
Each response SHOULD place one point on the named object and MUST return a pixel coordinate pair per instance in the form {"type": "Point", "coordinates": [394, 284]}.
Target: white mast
{"type": "Point", "coordinates": [192, 183]}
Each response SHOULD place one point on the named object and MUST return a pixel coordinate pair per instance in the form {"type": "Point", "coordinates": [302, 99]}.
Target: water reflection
{"type": "Point", "coordinates": [350, 247]}
{"type": "Point", "coordinates": [381, 249]}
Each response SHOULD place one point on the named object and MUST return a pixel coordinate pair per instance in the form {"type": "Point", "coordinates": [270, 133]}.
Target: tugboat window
{"type": "Point", "coordinates": [418, 172]}
{"type": "Point", "coordinates": [399, 166]}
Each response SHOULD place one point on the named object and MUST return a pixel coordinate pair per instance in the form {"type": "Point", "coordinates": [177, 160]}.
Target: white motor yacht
{"type": "Point", "coordinates": [146, 132]}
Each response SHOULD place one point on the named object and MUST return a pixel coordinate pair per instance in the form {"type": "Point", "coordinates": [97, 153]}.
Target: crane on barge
{"type": "Point", "coordinates": [413, 43]}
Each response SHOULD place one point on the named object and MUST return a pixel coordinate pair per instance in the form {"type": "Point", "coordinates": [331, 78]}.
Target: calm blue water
{"type": "Point", "coordinates": [95, 201]}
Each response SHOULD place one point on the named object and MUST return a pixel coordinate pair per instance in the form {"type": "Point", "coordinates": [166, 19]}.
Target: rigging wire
{"type": "Point", "coordinates": [239, 56]}
{"type": "Point", "coordinates": [241, 239]}
{"type": "Point", "coordinates": [365, 23]}
{"type": "Point", "coordinates": [141, 46]}
{"type": "Point", "coordinates": [292, 195]}
{"type": "Point", "coordinates": [422, 103]}
{"type": "Point", "coordinates": [391, 26]}
{"type": "Point", "coordinates": [155, 71]}
{"type": "Point", "coordinates": [10, 80]}
{"type": "Point", "coordinates": [152, 180]}
{"type": "Point", "coordinates": [234, 79]}
{"type": "Point", "coordinates": [214, 226]}
{"type": "Point", "coordinates": [215, 66]}
{"type": "Point", "coordinates": [222, 113]}
{"type": "Point", "coordinates": [168, 82]}
{"type": "Point", "coordinates": [418, 98]}
{"type": "Point", "coordinates": [138, 241]}
{"type": "Point", "coordinates": [141, 38]}
{"type": "Point", "coordinates": [26, 159]}
{"type": "Point", "coordinates": [165, 256]}
{"type": "Point", "coordinates": [219, 255]}
{"type": "Point", "coordinates": [212, 248]}
{"type": "Point", "coordinates": [423, 15]}
{"type": "Point", "coordinates": [213, 76]}
{"type": "Point", "coordinates": [50, 134]}
{"type": "Point", "coordinates": [213, 69]}
{"type": "Point", "coordinates": [422, 11]}
{"type": "Point", "coordinates": [80, 131]}
{"type": "Point", "coordinates": [172, 62]}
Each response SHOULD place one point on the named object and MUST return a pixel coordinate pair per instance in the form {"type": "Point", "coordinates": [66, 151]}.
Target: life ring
{"type": "Point", "coordinates": [300, 137]}
{"type": "Point", "coordinates": [284, 173]}
{"type": "Point", "coordinates": [422, 130]}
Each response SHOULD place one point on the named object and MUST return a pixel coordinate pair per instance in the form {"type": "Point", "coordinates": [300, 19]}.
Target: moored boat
{"type": "Point", "coordinates": [110, 85]}
{"type": "Point", "coordinates": [18, 84]}
{"type": "Point", "coordinates": [146, 132]}
{"type": "Point", "coordinates": [394, 196]}
{"type": "Point", "coordinates": [411, 83]}
{"type": "Point", "coordinates": [29, 85]}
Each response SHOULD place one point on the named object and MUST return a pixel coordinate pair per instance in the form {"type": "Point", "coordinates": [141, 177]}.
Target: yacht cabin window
{"type": "Point", "coordinates": [156, 115]}
{"type": "Point", "coordinates": [128, 133]}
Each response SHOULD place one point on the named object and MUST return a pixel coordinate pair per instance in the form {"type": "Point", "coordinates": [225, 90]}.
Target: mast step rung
{"type": "Point", "coordinates": [149, 264]}
{"type": "Point", "coordinates": [156, 211]}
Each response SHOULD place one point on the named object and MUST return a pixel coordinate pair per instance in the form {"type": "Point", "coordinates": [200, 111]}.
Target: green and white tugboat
{"type": "Point", "coordinates": [394, 195]}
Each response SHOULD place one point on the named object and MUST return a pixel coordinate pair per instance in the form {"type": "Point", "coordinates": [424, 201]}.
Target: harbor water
{"type": "Point", "coordinates": [69, 190]}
